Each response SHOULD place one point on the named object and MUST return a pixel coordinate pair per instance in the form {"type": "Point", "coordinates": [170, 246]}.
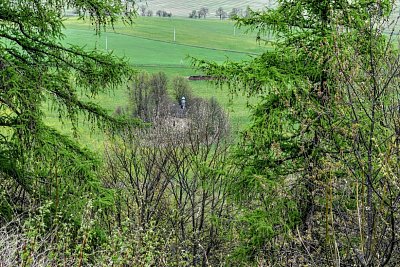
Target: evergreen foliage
{"type": "Point", "coordinates": [289, 167]}
{"type": "Point", "coordinates": [37, 162]}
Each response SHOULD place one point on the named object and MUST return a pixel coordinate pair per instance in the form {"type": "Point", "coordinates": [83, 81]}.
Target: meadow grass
{"type": "Point", "coordinates": [211, 34]}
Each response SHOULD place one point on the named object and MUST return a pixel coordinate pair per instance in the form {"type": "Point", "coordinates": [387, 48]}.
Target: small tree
{"type": "Point", "coordinates": [143, 10]}
{"type": "Point", "coordinates": [139, 96]}
{"type": "Point", "coordinates": [181, 88]}
{"type": "Point", "coordinates": [220, 13]}
{"type": "Point", "coordinates": [203, 12]}
{"type": "Point", "coordinates": [163, 13]}
{"type": "Point", "coordinates": [208, 118]}
{"type": "Point", "coordinates": [193, 14]}
{"type": "Point", "coordinates": [247, 12]}
{"type": "Point", "coordinates": [159, 83]}
{"type": "Point", "coordinates": [149, 13]}
{"type": "Point", "coordinates": [236, 12]}
{"type": "Point", "coordinates": [148, 96]}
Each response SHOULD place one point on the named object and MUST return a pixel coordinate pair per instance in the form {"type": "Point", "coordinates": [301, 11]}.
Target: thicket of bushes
{"type": "Point", "coordinates": [159, 199]}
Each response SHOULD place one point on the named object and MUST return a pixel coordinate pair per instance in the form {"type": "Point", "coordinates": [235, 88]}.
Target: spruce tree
{"type": "Point", "coordinates": [37, 163]}
{"type": "Point", "coordinates": [287, 155]}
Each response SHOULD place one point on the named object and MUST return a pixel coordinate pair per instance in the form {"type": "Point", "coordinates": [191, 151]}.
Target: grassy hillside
{"type": "Point", "coordinates": [212, 34]}
{"type": "Point", "coordinates": [183, 8]}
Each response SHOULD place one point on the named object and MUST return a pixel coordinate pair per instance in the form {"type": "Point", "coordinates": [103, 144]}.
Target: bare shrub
{"type": "Point", "coordinates": [208, 120]}
{"type": "Point", "coordinates": [171, 176]}
{"type": "Point", "coordinates": [148, 96]}
{"type": "Point", "coordinates": [150, 102]}
{"type": "Point", "coordinates": [181, 88]}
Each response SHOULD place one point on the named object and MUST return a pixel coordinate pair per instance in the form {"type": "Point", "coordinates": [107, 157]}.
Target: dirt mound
{"type": "Point", "coordinates": [200, 78]}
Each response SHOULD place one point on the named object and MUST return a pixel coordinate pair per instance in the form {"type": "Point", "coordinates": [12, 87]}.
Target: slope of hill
{"type": "Point", "coordinates": [182, 8]}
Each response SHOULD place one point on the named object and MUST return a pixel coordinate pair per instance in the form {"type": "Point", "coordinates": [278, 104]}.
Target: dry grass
{"type": "Point", "coordinates": [19, 247]}
{"type": "Point", "coordinates": [11, 242]}
{"type": "Point", "coordinates": [15, 249]}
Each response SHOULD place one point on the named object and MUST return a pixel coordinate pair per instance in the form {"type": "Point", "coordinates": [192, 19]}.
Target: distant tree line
{"type": "Point", "coordinates": [220, 13]}
{"type": "Point", "coordinates": [163, 13]}
{"type": "Point", "coordinates": [198, 14]}
{"type": "Point", "coordinates": [144, 11]}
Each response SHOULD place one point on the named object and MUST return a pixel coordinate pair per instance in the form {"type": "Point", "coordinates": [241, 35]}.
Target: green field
{"type": "Point", "coordinates": [149, 46]}
{"type": "Point", "coordinates": [207, 38]}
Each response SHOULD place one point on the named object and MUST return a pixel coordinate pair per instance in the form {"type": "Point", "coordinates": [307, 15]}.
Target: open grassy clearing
{"type": "Point", "coordinates": [148, 46]}
{"type": "Point", "coordinates": [141, 51]}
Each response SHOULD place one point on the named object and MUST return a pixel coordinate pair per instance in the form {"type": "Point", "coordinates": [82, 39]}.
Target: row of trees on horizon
{"type": "Point", "coordinates": [197, 14]}
{"type": "Point", "coordinates": [220, 13]}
